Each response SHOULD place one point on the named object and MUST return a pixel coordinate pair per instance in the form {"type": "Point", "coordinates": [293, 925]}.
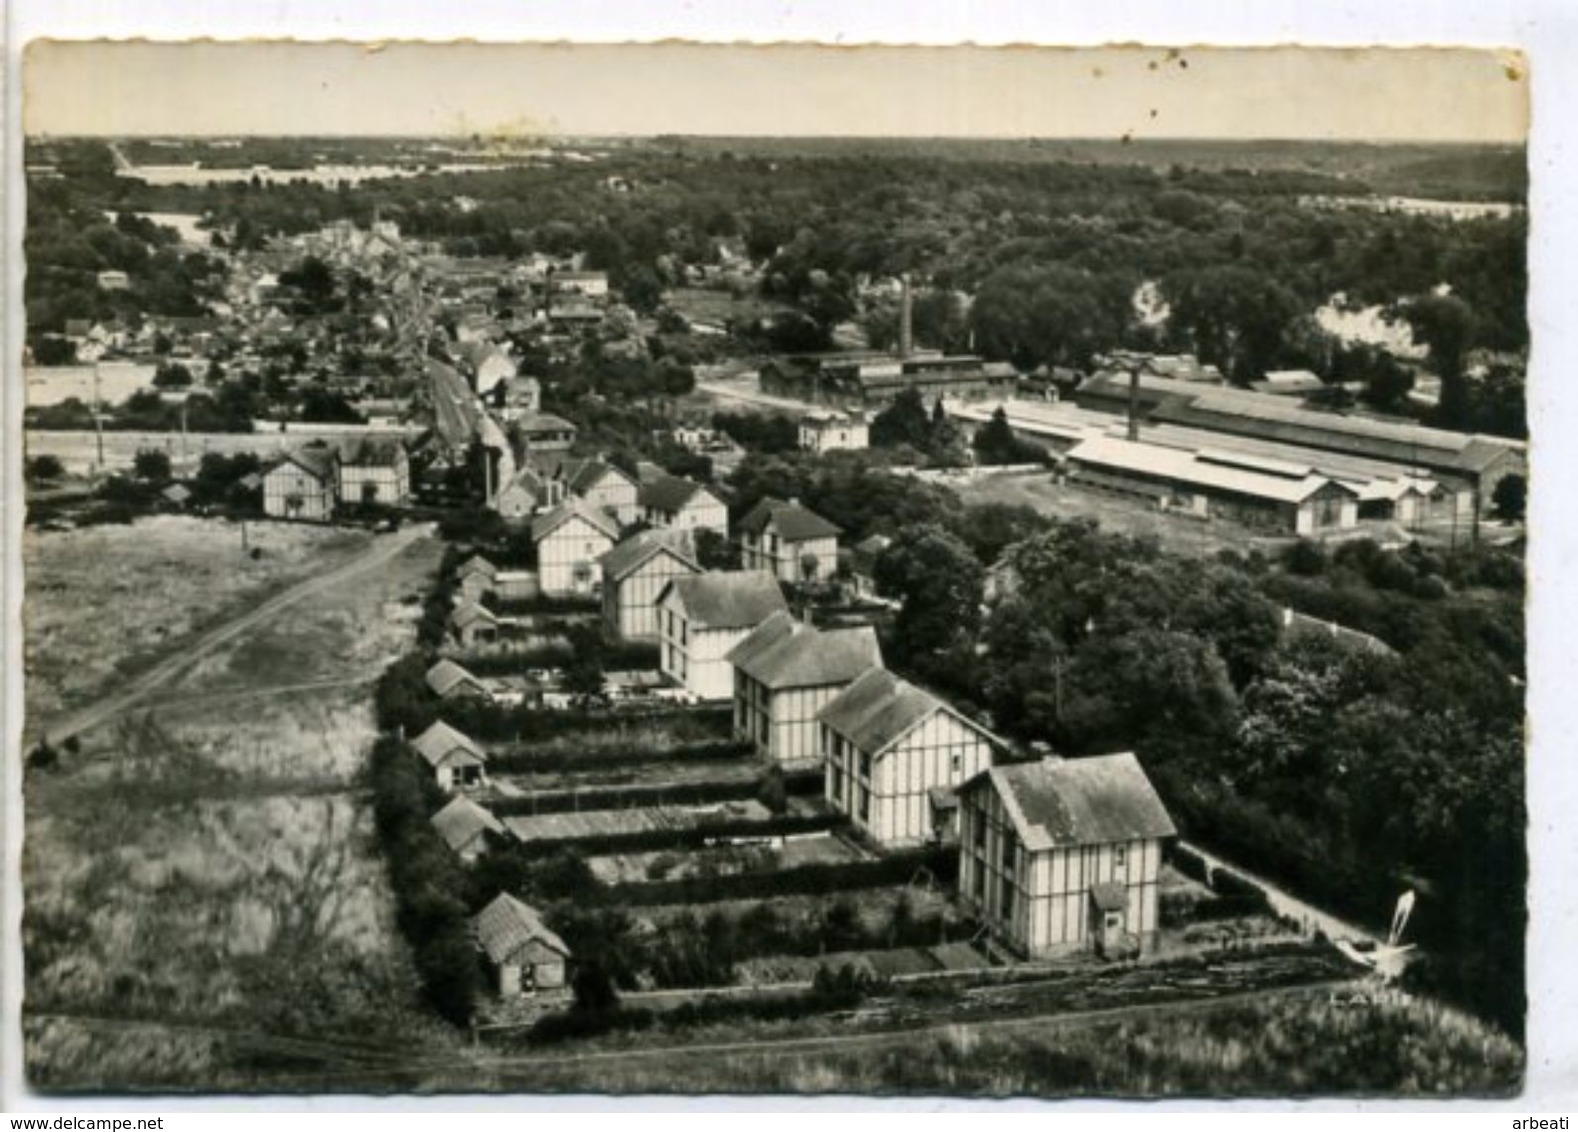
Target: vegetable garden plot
{"type": "Point", "coordinates": [723, 860]}
{"type": "Point", "coordinates": [615, 823]}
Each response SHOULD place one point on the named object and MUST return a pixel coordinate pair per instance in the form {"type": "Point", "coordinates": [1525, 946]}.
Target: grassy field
{"type": "Point", "coordinates": [205, 861]}
{"type": "Point", "coordinates": [1116, 514]}
{"type": "Point", "coordinates": [1303, 1043]}
{"type": "Point", "coordinates": [107, 601]}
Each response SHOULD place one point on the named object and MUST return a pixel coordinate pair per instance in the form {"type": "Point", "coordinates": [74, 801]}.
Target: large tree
{"type": "Point", "coordinates": [940, 583]}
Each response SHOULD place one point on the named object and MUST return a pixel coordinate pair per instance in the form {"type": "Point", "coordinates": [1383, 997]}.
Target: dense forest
{"type": "Point", "coordinates": [1033, 261]}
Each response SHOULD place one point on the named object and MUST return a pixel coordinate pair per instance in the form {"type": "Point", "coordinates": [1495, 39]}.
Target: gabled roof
{"type": "Point", "coordinates": [316, 462]}
{"type": "Point", "coordinates": [581, 476]}
{"type": "Point", "coordinates": [529, 480]}
{"type": "Point", "coordinates": [670, 494]}
{"type": "Point", "coordinates": [506, 925]}
{"type": "Point", "coordinates": [441, 740]}
{"type": "Point", "coordinates": [470, 613]}
{"type": "Point", "coordinates": [445, 676]}
{"type": "Point", "coordinates": [793, 522]}
{"type": "Point", "coordinates": [477, 564]}
{"type": "Point", "coordinates": [367, 452]}
{"type": "Point", "coordinates": [726, 599]}
{"type": "Point", "coordinates": [641, 548]}
{"type": "Point", "coordinates": [879, 708]}
{"type": "Point", "coordinates": [460, 822]}
{"type": "Point", "coordinates": [1057, 803]}
{"type": "Point", "coordinates": [544, 525]}
{"type": "Point", "coordinates": [782, 652]}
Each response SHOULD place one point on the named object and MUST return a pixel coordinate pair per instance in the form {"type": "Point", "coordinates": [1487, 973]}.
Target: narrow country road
{"type": "Point", "coordinates": [383, 549]}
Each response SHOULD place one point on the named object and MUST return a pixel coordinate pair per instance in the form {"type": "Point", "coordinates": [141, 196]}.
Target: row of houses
{"type": "Point", "coordinates": [315, 480]}
{"type": "Point", "coordinates": [1056, 855]}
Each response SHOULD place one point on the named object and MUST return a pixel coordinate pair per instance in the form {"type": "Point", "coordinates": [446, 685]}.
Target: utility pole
{"type": "Point", "coordinates": [98, 417]}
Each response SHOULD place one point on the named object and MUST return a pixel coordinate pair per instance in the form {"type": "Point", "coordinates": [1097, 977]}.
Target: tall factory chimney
{"type": "Point", "coordinates": [906, 327]}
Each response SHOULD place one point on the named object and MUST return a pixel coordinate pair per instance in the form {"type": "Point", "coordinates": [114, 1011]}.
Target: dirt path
{"type": "Point", "coordinates": [1286, 904]}
{"type": "Point", "coordinates": [385, 548]}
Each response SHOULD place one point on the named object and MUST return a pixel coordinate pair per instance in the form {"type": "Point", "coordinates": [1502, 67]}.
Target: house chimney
{"type": "Point", "coordinates": [906, 328]}
{"type": "Point", "coordinates": [1134, 402]}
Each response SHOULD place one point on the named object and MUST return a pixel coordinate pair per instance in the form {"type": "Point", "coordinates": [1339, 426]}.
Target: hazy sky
{"type": "Point", "coordinates": [413, 88]}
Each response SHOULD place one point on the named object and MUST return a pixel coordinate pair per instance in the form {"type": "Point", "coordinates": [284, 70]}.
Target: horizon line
{"type": "Point", "coordinates": [667, 134]}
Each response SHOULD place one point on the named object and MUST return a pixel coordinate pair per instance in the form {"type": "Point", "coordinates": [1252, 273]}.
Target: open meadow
{"type": "Point", "coordinates": [202, 864]}
{"type": "Point", "coordinates": [147, 587]}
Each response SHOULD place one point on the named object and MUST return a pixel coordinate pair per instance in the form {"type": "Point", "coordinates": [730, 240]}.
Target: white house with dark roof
{"type": "Point", "coordinates": [463, 826]}
{"type": "Point", "coordinates": [570, 541]}
{"type": "Point", "coordinates": [374, 471]}
{"type": "Point", "coordinates": [702, 616]}
{"type": "Point", "coordinates": [301, 485]}
{"type": "Point", "coordinates": [1064, 854]}
{"type": "Point", "coordinates": [790, 541]}
{"type": "Point", "coordinates": [888, 746]}
{"type": "Point", "coordinates": [785, 672]}
{"type": "Point", "coordinates": [455, 759]}
{"type": "Point", "coordinates": [635, 572]}
{"type": "Point", "coordinates": [451, 681]}
{"type": "Point", "coordinates": [679, 503]}
{"type": "Point", "coordinates": [602, 485]}
{"type": "Point", "coordinates": [523, 953]}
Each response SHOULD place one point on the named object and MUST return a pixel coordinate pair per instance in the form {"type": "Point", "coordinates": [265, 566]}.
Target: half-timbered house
{"type": "Point", "coordinates": [374, 472]}
{"type": "Point", "coordinates": [602, 485]}
{"type": "Point", "coordinates": [792, 542]}
{"type": "Point", "coordinates": [679, 503]}
{"type": "Point", "coordinates": [887, 746]}
{"type": "Point", "coordinates": [785, 672]}
{"type": "Point", "coordinates": [301, 485]}
{"type": "Point", "coordinates": [702, 616]}
{"type": "Point", "coordinates": [570, 540]}
{"type": "Point", "coordinates": [635, 573]}
{"type": "Point", "coordinates": [1064, 854]}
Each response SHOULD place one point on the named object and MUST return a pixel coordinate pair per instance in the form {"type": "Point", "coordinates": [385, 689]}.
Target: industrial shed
{"type": "Point", "coordinates": [1267, 494]}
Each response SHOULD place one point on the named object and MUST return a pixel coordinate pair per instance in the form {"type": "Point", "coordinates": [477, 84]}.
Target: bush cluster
{"type": "Point", "coordinates": [426, 879]}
